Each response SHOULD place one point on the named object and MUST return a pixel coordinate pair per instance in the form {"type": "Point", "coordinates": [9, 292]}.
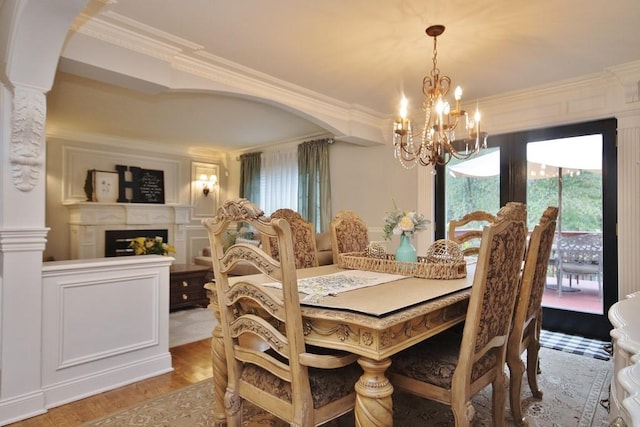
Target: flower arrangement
{"type": "Point", "coordinates": [398, 222]}
{"type": "Point", "coordinates": [150, 246]}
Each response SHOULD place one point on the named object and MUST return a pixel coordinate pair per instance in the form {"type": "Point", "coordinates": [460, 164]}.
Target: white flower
{"type": "Point", "coordinates": [399, 222]}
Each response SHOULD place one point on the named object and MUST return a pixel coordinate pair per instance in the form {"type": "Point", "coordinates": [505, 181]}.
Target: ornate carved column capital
{"type": "Point", "coordinates": [629, 77]}
{"type": "Point", "coordinates": [27, 136]}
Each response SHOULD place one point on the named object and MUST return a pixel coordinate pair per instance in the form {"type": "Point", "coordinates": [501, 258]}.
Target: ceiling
{"type": "Point", "coordinates": [355, 53]}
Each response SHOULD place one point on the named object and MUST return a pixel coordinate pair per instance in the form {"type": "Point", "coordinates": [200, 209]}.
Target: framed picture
{"type": "Point", "coordinates": [102, 186]}
{"type": "Point", "coordinates": [148, 185]}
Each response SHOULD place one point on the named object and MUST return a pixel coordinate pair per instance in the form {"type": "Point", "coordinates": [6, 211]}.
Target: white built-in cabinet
{"type": "Point", "coordinates": [625, 383]}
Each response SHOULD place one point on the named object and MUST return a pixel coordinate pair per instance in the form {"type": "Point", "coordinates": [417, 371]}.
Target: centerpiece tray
{"type": "Point", "coordinates": [424, 268]}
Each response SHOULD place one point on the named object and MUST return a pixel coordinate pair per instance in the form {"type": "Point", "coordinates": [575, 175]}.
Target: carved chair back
{"type": "Point", "coordinates": [267, 360]}
{"type": "Point", "coordinates": [349, 233]}
{"type": "Point", "coordinates": [527, 319]}
{"type": "Point", "coordinates": [477, 359]}
{"type": "Point", "coordinates": [469, 239]}
{"type": "Point", "coordinates": [303, 236]}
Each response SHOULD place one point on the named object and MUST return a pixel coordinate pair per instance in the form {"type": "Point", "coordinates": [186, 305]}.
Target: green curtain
{"type": "Point", "coordinates": [250, 177]}
{"type": "Point", "coordinates": [314, 183]}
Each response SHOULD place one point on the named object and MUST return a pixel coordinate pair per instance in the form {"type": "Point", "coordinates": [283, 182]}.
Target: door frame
{"type": "Point", "coordinates": [513, 187]}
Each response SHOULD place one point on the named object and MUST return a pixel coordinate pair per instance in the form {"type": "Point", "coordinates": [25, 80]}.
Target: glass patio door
{"type": "Point", "coordinates": [556, 176]}
{"type": "Point", "coordinates": [572, 167]}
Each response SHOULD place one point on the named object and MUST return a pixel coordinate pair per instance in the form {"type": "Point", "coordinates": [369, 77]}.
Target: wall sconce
{"type": "Point", "coordinates": [208, 183]}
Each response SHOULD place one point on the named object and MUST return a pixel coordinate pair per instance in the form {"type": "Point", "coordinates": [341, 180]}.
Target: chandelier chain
{"type": "Point", "coordinates": [435, 71]}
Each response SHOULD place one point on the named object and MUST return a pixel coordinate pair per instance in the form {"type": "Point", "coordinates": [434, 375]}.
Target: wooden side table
{"type": "Point", "coordinates": [186, 286]}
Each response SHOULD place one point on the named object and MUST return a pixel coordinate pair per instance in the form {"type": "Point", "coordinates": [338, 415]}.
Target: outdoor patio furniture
{"type": "Point", "coordinates": [579, 255]}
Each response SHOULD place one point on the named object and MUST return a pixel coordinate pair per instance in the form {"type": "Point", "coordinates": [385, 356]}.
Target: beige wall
{"type": "Point", "coordinates": [68, 161]}
{"type": "Point", "coordinates": [366, 180]}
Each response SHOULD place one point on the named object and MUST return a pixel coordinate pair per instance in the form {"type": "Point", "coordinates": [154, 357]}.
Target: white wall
{"type": "Point", "coordinates": [129, 338]}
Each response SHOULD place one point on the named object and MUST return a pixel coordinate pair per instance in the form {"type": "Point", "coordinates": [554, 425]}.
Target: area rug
{"type": "Point", "coordinates": [575, 344]}
{"type": "Point", "coordinates": [573, 388]}
{"type": "Point", "coordinates": [187, 326]}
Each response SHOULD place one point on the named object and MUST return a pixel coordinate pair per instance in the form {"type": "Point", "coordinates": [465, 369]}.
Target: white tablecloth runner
{"type": "Point", "coordinates": [333, 284]}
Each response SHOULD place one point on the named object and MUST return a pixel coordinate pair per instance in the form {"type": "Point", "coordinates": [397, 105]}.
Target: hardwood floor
{"type": "Point", "coordinates": [191, 364]}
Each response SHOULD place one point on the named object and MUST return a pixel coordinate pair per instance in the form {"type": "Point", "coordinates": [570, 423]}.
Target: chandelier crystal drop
{"type": "Point", "coordinates": [436, 143]}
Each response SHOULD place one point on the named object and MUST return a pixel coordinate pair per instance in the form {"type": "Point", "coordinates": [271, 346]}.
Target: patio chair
{"type": "Point", "coordinates": [527, 319]}
{"type": "Point", "coordinates": [469, 240]}
{"type": "Point", "coordinates": [283, 375]}
{"type": "Point", "coordinates": [349, 233]}
{"type": "Point", "coordinates": [579, 256]}
{"type": "Point", "coordinates": [450, 368]}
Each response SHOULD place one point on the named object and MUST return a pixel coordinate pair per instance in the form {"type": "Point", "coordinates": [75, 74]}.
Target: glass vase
{"type": "Point", "coordinates": [406, 252]}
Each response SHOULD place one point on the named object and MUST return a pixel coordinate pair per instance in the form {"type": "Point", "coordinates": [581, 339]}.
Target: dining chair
{"type": "Point", "coordinates": [451, 367]}
{"type": "Point", "coordinates": [527, 319]}
{"type": "Point", "coordinates": [469, 240]}
{"type": "Point", "coordinates": [349, 233]}
{"type": "Point", "coordinates": [303, 235]}
{"type": "Point", "coordinates": [282, 375]}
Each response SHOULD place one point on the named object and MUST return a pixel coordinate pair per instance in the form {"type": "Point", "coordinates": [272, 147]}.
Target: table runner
{"type": "Point", "coordinates": [332, 284]}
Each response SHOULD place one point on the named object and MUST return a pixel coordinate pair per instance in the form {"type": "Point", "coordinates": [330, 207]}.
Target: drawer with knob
{"type": "Point", "coordinates": [186, 284]}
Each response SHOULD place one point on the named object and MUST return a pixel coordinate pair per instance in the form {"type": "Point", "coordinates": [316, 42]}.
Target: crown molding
{"type": "Point", "coordinates": [188, 67]}
{"type": "Point", "coordinates": [144, 146]}
{"type": "Point", "coordinates": [102, 30]}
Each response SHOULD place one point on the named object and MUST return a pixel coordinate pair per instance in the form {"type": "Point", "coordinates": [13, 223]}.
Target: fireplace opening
{"type": "Point", "coordinates": [116, 242]}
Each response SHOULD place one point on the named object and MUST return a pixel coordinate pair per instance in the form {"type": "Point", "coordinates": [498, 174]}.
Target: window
{"type": "Point", "coordinates": [279, 180]}
{"type": "Point", "coordinates": [297, 178]}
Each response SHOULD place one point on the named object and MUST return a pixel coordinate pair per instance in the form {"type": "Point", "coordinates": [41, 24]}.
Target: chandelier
{"type": "Point", "coordinates": [436, 143]}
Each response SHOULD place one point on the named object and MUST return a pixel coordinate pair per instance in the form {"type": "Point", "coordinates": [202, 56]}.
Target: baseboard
{"type": "Point", "coordinates": [99, 382]}
{"type": "Point", "coordinates": [22, 407]}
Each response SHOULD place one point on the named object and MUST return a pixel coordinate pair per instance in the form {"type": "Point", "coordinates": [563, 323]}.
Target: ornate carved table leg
{"type": "Point", "coordinates": [374, 407]}
{"type": "Point", "coordinates": [219, 362]}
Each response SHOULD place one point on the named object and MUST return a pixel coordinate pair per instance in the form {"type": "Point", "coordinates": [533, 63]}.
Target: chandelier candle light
{"type": "Point", "coordinates": [437, 140]}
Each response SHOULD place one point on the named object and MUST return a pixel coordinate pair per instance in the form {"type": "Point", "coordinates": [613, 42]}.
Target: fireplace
{"type": "Point", "coordinates": [116, 242]}
{"type": "Point", "coordinates": [89, 223]}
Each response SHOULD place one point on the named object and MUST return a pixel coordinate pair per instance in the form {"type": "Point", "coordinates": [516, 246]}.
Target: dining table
{"type": "Point", "coordinates": [374, 322]}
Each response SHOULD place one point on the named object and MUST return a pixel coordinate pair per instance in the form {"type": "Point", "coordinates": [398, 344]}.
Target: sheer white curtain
{"type": "Point", "coordinates": [279, 180]}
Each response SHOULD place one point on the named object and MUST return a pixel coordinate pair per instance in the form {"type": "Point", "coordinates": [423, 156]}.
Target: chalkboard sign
{"type": "Point", "coordinates": [148, 185]}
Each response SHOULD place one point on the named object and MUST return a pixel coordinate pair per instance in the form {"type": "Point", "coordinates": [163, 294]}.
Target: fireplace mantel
{"type": "Point", "coordinates": [88, 222]}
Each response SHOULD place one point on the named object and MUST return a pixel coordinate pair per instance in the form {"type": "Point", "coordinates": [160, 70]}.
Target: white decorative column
{"type": "Point", "coordinates": [22, 242]}
{"type": "Point", "coordinates": [33, 32]}
{"type": "Point", "coordinates": [628, 205]}
{"type": "Point", "coordinates": [628, 116]}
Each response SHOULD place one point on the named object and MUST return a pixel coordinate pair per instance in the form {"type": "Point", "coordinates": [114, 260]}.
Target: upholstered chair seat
{"type": "Point", "coordinates": [434, 361]}
{"type": "Point", "coordinates": [327, 385]}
